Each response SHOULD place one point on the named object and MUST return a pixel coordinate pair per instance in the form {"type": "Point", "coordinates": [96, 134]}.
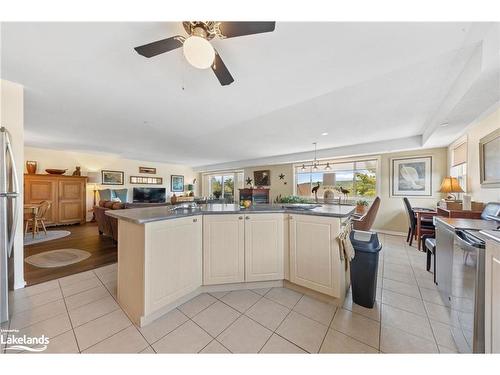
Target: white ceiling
{"type": "Point", "coordinates": [87, 89]}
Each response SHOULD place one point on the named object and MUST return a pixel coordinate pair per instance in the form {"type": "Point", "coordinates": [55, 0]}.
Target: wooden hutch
{"type": "Point", "coordinates": [67, 195]}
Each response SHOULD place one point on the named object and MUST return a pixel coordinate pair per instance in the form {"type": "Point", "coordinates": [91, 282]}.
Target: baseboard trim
{"type": "Point", "coordinates": [391, 232]}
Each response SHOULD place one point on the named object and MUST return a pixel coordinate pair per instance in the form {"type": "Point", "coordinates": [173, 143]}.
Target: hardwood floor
{"type": "Point", "coordinates": [84, 237]}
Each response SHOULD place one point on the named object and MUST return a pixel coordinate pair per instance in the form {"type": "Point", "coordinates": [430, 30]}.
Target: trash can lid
{"type": "Point", "coordinates": [365, 242]}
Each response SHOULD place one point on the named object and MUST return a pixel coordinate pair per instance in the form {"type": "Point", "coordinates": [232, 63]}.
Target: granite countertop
{"type": "Point", "coordinates": [151, 214]}
{"type": "Point", "coordinates": [492, 234]}
{"type": "Point", "coordinates": [473, 224]}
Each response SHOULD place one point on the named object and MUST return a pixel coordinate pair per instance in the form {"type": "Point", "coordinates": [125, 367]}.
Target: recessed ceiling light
{"type": "Point", "coordinates": [444, 124]}
{"type": "Point", "coordinates": [325, 133]}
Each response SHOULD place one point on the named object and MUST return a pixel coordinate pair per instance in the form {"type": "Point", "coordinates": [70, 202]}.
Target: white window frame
{"type": "Point", "coordinates": [323, 162]}
{"type": "Point", "coordinates": [206, 185]}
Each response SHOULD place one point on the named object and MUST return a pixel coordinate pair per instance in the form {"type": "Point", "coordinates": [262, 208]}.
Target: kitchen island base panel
{"type": "Point", "coordinates": [164, 263]}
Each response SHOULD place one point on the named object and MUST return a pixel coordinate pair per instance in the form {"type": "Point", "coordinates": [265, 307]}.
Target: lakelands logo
{"type": "Point", "coordinates": [13, 341]}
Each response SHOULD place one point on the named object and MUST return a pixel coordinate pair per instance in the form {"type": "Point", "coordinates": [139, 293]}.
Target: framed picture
{"type": "Point", "coordinates": [176, 183]}
{"type": "Point", "coordinates": [489, 160]}
{"type": "Point", "coordinates": [411, 177]}
{"type": "Point", "coordinates": [112, 177]}
{"type": "Point", "coordinates": [146, 180]}
{"type": "Point", "coordinates": [262, 178]}
{"type": "Point", "coordinates": [147, 170]}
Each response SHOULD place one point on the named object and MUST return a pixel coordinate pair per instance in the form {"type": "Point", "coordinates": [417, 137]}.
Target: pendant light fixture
{"type": "Point", "coordinates": [327, 168]}
{"type": "Point", "coordinates": [315, 163]}
{"type": "Point", "coordinates": [303, 168]}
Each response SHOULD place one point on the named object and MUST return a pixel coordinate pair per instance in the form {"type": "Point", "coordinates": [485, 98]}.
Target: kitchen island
{"type": "Point", "coordinates": [167, 256]}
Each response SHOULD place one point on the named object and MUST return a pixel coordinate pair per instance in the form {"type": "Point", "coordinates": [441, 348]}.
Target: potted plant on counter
{"type": "Point", "coordinates": [361, 205]}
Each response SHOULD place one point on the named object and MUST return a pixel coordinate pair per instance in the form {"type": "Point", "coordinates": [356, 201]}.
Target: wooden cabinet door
{"type": "Point", "coordinates": [264, 247]}
{"type": "Point", "coordinates": [71, 207]}
{"type": "Point", "coordinates": [312, 252]}
{"type": "Point", "coordinates": [37, 190]}
{"type": "Point", "coordinates": [223, 249]}
{"type": "Point", "coordinates": [173, 264]}
{"type": "Point", "coordinates": [492, 300]}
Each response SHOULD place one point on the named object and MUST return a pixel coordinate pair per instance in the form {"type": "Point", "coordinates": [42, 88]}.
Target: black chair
{"type": "Point", "coordinates": [430, 247]}
{"type": "Point", "coordinates": [491, 211]}
{"type": "Point", "coordinates": [427, 223]}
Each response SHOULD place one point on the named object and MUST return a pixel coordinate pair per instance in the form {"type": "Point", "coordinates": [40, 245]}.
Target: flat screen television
{"type": "Point", "coordinates": [149, 195]}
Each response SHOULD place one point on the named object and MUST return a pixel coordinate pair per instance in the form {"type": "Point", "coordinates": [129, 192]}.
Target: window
{"type": "Point", "coordinates": [459, 163]}
{"type": "Point", "coordinates": [223, 185]}
{"type": "Point", "coordinates": [358, 177]}
{"type": "Point", "coordinates": [460, 172]}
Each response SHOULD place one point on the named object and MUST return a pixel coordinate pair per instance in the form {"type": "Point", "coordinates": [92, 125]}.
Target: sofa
{"type": "Point", "coordinates": [107, 225]}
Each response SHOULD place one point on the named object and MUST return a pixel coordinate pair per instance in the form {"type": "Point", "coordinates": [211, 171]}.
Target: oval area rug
{"type": "Point", "coordinates": [41, 237]}
{"type": "Point", "coordinates": [57, 258]}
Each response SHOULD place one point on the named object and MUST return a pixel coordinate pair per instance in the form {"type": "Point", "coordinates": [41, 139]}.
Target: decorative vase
{"type": "Point", "coordinates": [31, 167]}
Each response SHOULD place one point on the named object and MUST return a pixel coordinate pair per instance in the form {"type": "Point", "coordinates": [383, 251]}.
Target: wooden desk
{"type": "Point", "coordinates": [459, 213]}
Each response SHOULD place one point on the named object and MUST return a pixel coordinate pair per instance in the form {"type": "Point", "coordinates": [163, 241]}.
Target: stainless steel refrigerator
{"type": "Point", "coordinates": [9, 201]}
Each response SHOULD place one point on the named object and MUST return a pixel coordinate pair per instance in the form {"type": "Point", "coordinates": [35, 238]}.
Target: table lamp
{"type": "Point", "coordinates": [451, 185]}
{"type": "Point", "coordinates": [94, 178]}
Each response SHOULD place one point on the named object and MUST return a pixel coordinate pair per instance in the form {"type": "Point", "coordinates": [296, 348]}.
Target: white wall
{"type": "Point", "coordinates": [391, 216]}
{"type": "Point", "coordinates": [11, 114]}
{"type": "Point", "coordinates": [47, 158]}
{"type": "Point", "coordinates": [278, 187]}
{"type": "Point", "coordinates": [473, 134]}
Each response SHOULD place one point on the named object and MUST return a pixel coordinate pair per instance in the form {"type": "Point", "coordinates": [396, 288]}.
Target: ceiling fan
{"type": "Point", "coordinates": [197, 48]}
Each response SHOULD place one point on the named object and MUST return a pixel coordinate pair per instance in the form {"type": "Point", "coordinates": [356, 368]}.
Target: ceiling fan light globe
{"type": "Point", "coordinates": [198, 52]}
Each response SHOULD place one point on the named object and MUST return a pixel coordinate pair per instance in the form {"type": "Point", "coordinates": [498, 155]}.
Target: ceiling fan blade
{"type": "Point", "coordinates": [225, 78]}
{"type": "Point", "coordinates": [234, 29]}
{"type": "Point", "coordinates": [160, 46]}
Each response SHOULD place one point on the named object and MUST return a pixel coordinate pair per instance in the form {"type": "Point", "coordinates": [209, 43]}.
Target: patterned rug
{"type": "Point", "coordinates": [57, 258]}
{"type": "Point", "coordinates": [41, 237]}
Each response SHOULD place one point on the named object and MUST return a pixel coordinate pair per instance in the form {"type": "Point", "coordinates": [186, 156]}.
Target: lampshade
{"type": "Point", "coordinates": [198, 52]}
{"type": "Point", "coordinates": [93, 177]}
{"type": "Point", "coordinates": [450, 185]}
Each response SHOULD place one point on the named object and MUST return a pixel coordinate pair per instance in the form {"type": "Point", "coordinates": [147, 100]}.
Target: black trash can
{"type": "Point", "coordinates": [364, 267]}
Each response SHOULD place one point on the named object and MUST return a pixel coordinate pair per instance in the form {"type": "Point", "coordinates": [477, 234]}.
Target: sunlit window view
{"type": "Point", "coordinates": [356, 179]}
{"type": "Point", "coordinates": [223, 185]}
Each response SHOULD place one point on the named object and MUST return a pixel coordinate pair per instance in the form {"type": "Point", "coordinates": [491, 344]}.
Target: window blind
{"type": "Point", "coordinates": [459, 154]}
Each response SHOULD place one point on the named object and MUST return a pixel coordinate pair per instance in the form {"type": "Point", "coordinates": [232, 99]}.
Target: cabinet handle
{"type": "Point", "coordinates": [247, 217]}
{"type": "Point", "coordinates": [240, 217]}
{"type": "Point", "coordinates": [195, 220]}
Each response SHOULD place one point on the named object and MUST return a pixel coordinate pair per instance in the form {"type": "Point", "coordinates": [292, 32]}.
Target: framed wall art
{"type": "Point", "coordinates": [176, 183]}
{"type": "Point", "coordinates": [112, 177]}
{"type": "Point", "coordinates": [489, 160]}
{"type": "Point", "coordinates": [411, 177]}
{"type": "Point", "coordinates": [147, 170]}
{"type": "Point", "coordinates": [262, 178]}
{"type": "Point", "coordinates": [146, 180]}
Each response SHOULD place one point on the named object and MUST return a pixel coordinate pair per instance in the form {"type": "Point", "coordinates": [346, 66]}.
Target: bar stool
{"type": "Point", "coordinates": [430, 247]}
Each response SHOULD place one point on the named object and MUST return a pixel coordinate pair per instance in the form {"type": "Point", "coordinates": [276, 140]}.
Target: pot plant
{"type": "Point", "coordinates": [217, 194]}
{"type": "Point", "coordinates": [361, 206]}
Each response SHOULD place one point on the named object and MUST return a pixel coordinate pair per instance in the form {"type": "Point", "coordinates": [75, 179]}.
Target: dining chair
{"type": "Point", "coordinates": [365, 222]}
{"type": "Point", "coordinates": [427, 224]}
{"type": "Point", "coordinates": [38, 220]}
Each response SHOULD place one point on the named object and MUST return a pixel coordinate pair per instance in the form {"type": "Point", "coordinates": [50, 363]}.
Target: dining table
{"type": "Point", "coordinates": [421, 215]}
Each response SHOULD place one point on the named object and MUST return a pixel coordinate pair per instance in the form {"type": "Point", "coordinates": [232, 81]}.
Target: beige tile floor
{"type": "Point", "coordinates": [80, 315]}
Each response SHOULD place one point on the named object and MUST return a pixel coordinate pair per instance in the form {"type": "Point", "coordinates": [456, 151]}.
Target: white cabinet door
{"type": "Point", "coordinates": [492, 300]}
{"type": "Point", "coordinates": [264, 247]}
{"type": "Point", "coordinates": [314, 253]}
{"type": "Point", "coordinates": [223, 249]}
{"type": "Point", "coordinates": [173, 260]}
